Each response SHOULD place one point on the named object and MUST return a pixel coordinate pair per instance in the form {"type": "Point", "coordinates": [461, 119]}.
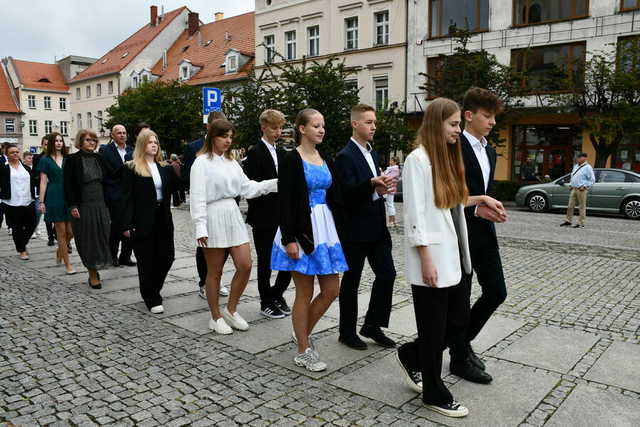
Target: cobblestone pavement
{"type": "Point", "coordinates": [564, 349]}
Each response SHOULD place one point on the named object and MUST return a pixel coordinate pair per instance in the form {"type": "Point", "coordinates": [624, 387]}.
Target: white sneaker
{"type": "Point", "coordinates": [224, 291]}
{"type": "Point", "coordinates": [158, 309]}
{"type": "Point", "coordinates": [310, 360]}
{"type": "Point", "coordinates": [235, 321]}
{"type": "Point", "coordinates": [453, 409]}
{"type": "Point", "coordinates": [220, 326]}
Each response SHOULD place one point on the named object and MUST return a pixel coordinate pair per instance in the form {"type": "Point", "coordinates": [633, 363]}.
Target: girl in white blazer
{"type": "Point", "coordinates": [436, 248]}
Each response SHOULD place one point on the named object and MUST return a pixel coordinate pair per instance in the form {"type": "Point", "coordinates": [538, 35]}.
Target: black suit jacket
{"type": "Point", "coordinates": [264, 211]}
{"type": "Point", "coordinates": [139, 201]}
{"type": "Point", "coordinates": [113, 180]}
{"type": "Point", "coordinates": [5, 181]}
{"type": "Point", "coordinates": [365, 219]}
{"type": "Point", "coordinates": [74, 176]}
{"type": "Point", "coordinates": [482, 233]}
{"type": "Point", "coordinates": [190, 153]}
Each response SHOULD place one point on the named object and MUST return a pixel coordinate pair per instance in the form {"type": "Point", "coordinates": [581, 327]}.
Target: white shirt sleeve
{"type": "Point", "coordinates": [251, 189]}
{"type": "Point", "coordinates": [418, 202]}
{"type": "Point", "coordinates": [198, 204]}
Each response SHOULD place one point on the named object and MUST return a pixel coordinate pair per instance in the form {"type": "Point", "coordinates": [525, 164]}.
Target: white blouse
{"type": "Point", "coordinates": [157, 179]}
{"type": "Point", "coordinates": [20, 182]}
{"type": "Point", "coordinates": [215, 178]}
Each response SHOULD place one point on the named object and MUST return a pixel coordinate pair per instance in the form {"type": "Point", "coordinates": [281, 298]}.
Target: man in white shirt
{"type": "Point", "coordinates": [582, 179]}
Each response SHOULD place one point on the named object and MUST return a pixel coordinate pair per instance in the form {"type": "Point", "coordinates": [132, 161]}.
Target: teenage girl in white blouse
{"type": "Point", "coordinates": [216, 180]}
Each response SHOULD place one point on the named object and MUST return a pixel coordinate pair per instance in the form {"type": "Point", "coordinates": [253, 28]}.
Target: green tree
{"type": "Point", "coordinates": [393, 133]}
{"type": "Point", "coordinates": [172, 109]}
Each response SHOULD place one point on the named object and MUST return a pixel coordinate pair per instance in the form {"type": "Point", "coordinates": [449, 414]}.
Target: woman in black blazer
{"type": "Point", "coordinates": [17, 194]}
{"type": "Point", "coordinates": [147, 185]}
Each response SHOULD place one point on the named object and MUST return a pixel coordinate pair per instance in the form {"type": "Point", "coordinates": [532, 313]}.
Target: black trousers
{"type": "Point", "coordinates": [154, 255]}
{"type": "Point", "coordinates": [263, 241]}
{"type": "Point", "coordinates": [22, 220]}
{"type": "Point", "coordinates": [51, 230]}
{"type": "Point", "coordinates": [435, 308]}
{"type": "Point", "coordinates": [379, 256]}
{"type": "Point", "coordinates": [116, 237]}
{"type": "Point", "coordinates": [201, 265]}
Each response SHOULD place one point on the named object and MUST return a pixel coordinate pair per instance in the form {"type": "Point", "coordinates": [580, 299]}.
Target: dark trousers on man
{"type": "Point", "coordinates": [154, 254]}
{"type": "Point", "coordinates": [263, 241]}
{"type": "Point", "coordinates": [116, 236]}
{"type": "Point", "coordinates": [436, 311]}
{"type": "Point", "coordinates": [201, 265]}
{"type": "Point", "coordinates": [379, 256]}
{"type": "Point", "coordinates": [23, 223]}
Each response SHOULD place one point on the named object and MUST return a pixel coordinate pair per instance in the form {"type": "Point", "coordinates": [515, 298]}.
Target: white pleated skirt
{"type": "Point", "coordinates": [225, 225]}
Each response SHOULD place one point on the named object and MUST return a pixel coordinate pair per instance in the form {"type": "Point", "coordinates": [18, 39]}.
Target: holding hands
{"type": "Point", "coordinates": [384, 184]}
{"type": "Point", "coordinates": [491, 210]}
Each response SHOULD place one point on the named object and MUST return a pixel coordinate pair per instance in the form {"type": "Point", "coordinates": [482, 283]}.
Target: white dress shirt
{"type": "Point", "coordinates": [122, 151]}
{"type": "Point", "coordinates": [480, 150]}
{"type": "Point", "coordinates": [272, 150]}
{"type": "Point", "coordinates": [157, 179]}
{"type": "Point", "coordinates": [20, 182]}
{"type": "Point", "coordinates": [366, 152]}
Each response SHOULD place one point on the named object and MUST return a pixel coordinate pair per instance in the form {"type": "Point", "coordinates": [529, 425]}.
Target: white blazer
{"type": "Point", "coordinates": [427, 225]}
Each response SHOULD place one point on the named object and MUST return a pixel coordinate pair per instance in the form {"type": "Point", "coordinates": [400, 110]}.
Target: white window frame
{"type": "Point", "coordinates": [99, 89]}
{"type": "Point", "coordinates": [48, 126]}
{"type": "Point", "coordinates": [232, 63]}
{"type": "Point", "coordinates": [110, 87]}
{"type": "Point", "coordinates": [382, 91]}
{"type": "Point", "coordinates": [89, 120]}
{"type": "Point", "coordinates": [79, 118]}
{"type": "Point", "coordinates": [33, 127]}
{"type": "Point", "coordinates": [269, 48]}
{"type": "Point", "coordinates": [383, 25]}
{"type": "Point", "coordinates": [99, 118]}
{"type": "Point", "coordinates": [351, 33]}
{"type": "Point", "coordinates": [47, 103]}
{"type": "Point", "coordinates": [87, 92]}
{"type": "Point", "coordinates": [64, 128]}
{"type": "Point", "coordinates": [78, 93]}
{"type": "Point", "coordinates": [63, 104]}
{"type": "Point", "coordinates": [313, 41]}
{"type": "Point", "coordinates": [31, 100]}
{"type": "Point", "coordinates": [9, 125]}
{"type": "Point", "coordinates": [290, 41]}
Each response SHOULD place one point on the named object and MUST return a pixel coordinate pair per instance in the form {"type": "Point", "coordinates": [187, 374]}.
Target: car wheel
{"type": "Point", "coordinates": [537, 202]}
{"type": "Point", "coordinates": [631, 208]}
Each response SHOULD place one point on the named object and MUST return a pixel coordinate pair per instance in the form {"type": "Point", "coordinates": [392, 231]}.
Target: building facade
{"type": "Point", "coordinates": [531, 35]}
{"type": "Point", "coordinates": [10, 113]}
{"type": "Point", "coordinates": [369, 34]}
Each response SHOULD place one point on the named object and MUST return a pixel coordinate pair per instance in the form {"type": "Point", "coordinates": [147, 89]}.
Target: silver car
{"type": "Point", "coordinates": [615, 191]}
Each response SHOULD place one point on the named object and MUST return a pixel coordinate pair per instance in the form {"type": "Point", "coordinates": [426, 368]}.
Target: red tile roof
{"type": "Point", "coordinates": [37, 75]}
{"type": "Point", "coordinates": [242, 38]}
{"type": "Point", "coordinates": [7, 101]}
{"type": "Point", "coordinates": [115, 60]}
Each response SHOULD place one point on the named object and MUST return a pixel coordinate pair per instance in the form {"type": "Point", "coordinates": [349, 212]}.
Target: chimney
{"type": "Point", "coordinates": [194, 23]}
{"type": "Point", "coordinates": [219, 16]}
{"type": "Point", "coordinates": [154, 15]}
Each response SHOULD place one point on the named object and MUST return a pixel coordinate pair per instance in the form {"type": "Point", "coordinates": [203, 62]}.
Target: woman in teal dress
{"type": "Point", "coordinates": [52, 202]}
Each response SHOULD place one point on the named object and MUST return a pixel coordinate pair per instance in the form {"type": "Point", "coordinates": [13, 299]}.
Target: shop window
{"type": "Point", "coordinates": [528, 12]}
{"type": "Point", "coordinates": [629, 5]}
{"type": "Point", "coordinates": [448, 16]}
{"type": "Point", "coordinates": [628, 155]}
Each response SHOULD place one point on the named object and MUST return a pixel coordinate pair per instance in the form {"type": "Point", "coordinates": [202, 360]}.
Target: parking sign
{"type": "Point", "coordinates": [211, 99]}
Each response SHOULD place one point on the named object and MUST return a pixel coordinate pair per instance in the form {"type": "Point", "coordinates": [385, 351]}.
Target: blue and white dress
{"type": "Point", "coordinates": [327, 257]}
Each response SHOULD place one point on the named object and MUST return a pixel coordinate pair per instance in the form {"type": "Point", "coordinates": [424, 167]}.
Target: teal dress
{"type": "Point", "coordinates": [56, 208]}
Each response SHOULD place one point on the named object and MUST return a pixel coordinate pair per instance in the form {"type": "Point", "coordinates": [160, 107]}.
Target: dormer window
{"type": "Point", "coordinates": [232, 64]}
{"type": "Point", "coordinates": [134, 81]}
{"type": "Point", "coordinates": [184, 72]}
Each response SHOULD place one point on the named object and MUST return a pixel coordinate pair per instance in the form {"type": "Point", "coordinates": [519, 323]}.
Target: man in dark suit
{"type": "Point", "coordinates": [480, 107]}
{"type": "Point", "coordinates": [115, 154]}
{"type": "Point", "coordinates": [264, 213]}
{"type": "Point", "coordinates": [365, 233]}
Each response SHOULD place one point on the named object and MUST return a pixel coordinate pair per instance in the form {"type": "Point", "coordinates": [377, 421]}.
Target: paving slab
{"type": "Point", "coordinates": [589, 406]}
{"type": "Point", "coordinates": [334, 354]}
{"type": "Point", "coordinates": [199, 322]}
{"type": "Point", "coordinates": [403, 321]}
{"type": "Point", "coordinates": [130, 296]}
{"type": "Point", "coordinates": [363, 304]}
{"type": "Point", "coordinates": [618, 366]}
{"type": "Point", "coordinates": [496, 329]}
{"type": "Point", "coordinates": [514, 392]}
{"type": "Point", "coordinates": [550, 348]}
{"type": "Point", "coordinates": [172, 306]}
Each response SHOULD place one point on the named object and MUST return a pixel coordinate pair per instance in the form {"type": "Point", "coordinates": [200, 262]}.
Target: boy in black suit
{"type": "Point", "coordinates": [264, 213]}
{"type": "Point", "coordinates": [480, 107]}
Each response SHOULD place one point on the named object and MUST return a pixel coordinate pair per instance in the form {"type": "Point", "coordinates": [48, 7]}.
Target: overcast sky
{"type": "Point", "coordinates": [42, 30]}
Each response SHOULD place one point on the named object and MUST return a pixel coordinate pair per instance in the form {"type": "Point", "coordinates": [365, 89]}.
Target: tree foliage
{"type": "Point", "coordinates": [172, 109]}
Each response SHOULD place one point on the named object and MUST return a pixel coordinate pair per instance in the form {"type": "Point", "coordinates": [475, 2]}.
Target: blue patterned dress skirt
{"type": "Point", "coordinates": [327, 257]}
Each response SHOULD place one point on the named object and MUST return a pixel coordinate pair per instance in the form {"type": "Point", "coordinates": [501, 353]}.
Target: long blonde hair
{"type": "Point", "coordinates": [139, 163]}
{"type": "Point", "coordinates": [449, 184]}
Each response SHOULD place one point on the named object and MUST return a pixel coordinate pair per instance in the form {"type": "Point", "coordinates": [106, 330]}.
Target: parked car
{"type": "Point", "coordinates": [615, 191]}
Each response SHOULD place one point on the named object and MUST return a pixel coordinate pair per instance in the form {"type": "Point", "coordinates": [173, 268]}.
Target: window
{"type": "Point", "coordinates": [382, 93]}
{"type": "Point", "coordinates": [48, 126]}
{"type": "Point", "coordinates": [442, 71]}
{"type": "Point", "coordinates": [99, 118]}
{"type": "Point", "coordinates": [9, 125]}
{"type": "Point", "coordinates": [611, 176]}
{"type": "Point", "coordinates": [447, 16]}
{"type": "Point", "coordinates": [33, 127]}
{"type": "Point", "coordinates": [527, 12]}
{"type": "Point", "coordinates": [63, 104]}
{"type": "Point", "coordinates": [99, 89]}
{"type": "Point", "coordinates": [629, 5]}
{"type": "Point", "coordinates": [627, 156]}
{"type": "Point", "coordinates": [77, 93]}
{"type": "Point", "coordinates": [269, 48]}
{"type": "Point", "coordinates": [89, 121]}
{"type": "Point", "coordinates": [548, 67]}
{"type": "Point", "coordinates": [87, 92]}
{"type": "Point", "coordinates": [232, 63]}
{"type": "Point", "coordinates": [134, 81]}
{"type": "Point", "coordinates": [351, 33]}
{"type": "Point", "coordinates": [628, 56]}
{"type": "Point", "coordinates": [79, 120]}
{"type": "Point", "coordinates": [64, 128]}
{"type": "Point", "coordinates": [184, 72]}
{"type": "Point", "coordinates": [290, 42]}
{"type": "Point", "coordinates": [382, 28]}
{"type": "Point", "coordinates": [47, 103]}
{"type": "Point", "coordinates": [110, 87]}
{"type": "Point", "coordinates": [313, 34]}
{"type": "Point", "coordinates": [32, 101]}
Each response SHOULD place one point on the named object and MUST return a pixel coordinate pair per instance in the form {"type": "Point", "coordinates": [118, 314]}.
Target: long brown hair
{"type": "Point", "coordinates": [217, 128]}
{"type": "Point", "coordinates": [139, 163]}
{"type": "Point", "coordinates": [447, 166]}
{"type": "Point", "coordinates": [51, 145]}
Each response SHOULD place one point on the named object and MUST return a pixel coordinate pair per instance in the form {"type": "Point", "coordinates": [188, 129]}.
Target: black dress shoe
{"type": "Point", "coordinates": [116, 263]}
{"type": "Point", "coordinates": [466, 370]}
{"type": "Point", "coordinates": [127, 262]}
{"type": "Point", "coordinates": [475, 360]}
{"type": "Point", "coordinates": [50, 242]}
{"type": "Point", "coordinates": [376, 334]}
{"type": "Point", "coordinates": [353, 342]}
{"type": "Point", "coordinates": [69, 248]}
{"type": "Point", "coordinates": [96, 286]}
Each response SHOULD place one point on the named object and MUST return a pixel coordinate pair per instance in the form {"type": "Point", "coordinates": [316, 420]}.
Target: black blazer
{"type": "Point", "coordinates": [264, 211]}
{"type": "Point", "coordinates": [365, 219]}
{"type": "Point", "coordinates": [481, 231]}
{"type": "Point", "coordinates": [5, 181]}
{"type": "Point", "coordinates": [113, 179]}
{"type": "Point", "coordinates": [139, 201]}
{"type": "Point", "coordinates": [190, 154]}
{"type": "Point", "coordinates": [74, 176]}
{"type": "Point", "coordinates": [295, 212]}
